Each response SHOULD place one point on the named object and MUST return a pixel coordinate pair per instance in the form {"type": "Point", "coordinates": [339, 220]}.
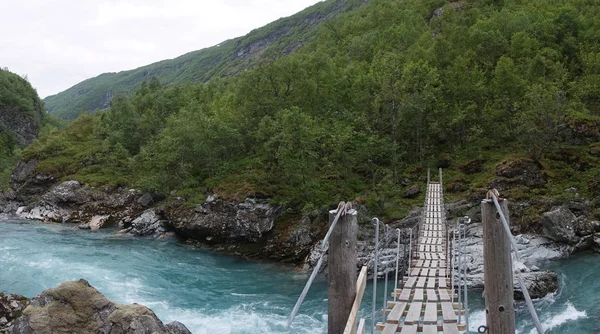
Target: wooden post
{"type": "Point", "coordinates": [497, 270]}
{"type": "Point", "coordinates": [428, 175]}
{"type": "Point", "coordinates": [441, 179]}
{"type": "Point", "coordinates": [341, 271]}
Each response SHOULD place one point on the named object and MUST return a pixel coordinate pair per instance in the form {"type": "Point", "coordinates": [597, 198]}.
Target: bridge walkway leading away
{"type": "Point", "coordinates": [425, 304]}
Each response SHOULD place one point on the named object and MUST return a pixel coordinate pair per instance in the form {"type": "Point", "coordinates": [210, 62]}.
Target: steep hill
{"type": "Point", "coordinates": [281, 37]}
{"type": "Point", "coordinates": [20, 110]}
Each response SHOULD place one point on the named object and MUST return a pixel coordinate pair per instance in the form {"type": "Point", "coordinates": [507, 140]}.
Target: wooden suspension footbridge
{"type": "Point", "coordinates": [426, 300]}
{"type": "Point", "coordinates": [424, 304]}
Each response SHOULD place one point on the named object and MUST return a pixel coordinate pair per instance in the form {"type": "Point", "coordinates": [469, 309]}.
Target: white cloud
{"type": "Point", "coordinates": [59, 43]}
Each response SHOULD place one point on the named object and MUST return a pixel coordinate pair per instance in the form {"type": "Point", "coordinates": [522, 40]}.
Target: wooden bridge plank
{"type": "Point", "coordinates": [404, 295]}
{"type": "Point", "coordinates": [418, 296]}
{"type": "Point", "coordinates": [444, 296]}
{"type": "Point", "coordinates": [442, 283]}
{"type": "Point", "coordinates": [415, 272]}
{"type": "Point", "coordinates": [448, 313]}
{"type": "Point", "coordinates": [412, 329]}
{"type": "Point", "coordinates": [450, 329]}
{"type": "Point", "coordinates": [414, 313]}
{"type": "Point", "coordinates": [430, 316]}
{"type": "Point", "coordinates": [431, 295]}
{"type": "Point", "coordinates": [389, 328]}
{"type": "Point", "coordinates": [396, 313]}
{"type": "Point", "coordinates": [410, 282]}
{"type": "Point", "coordinates": [431, 283]}
{"type": "Point", "coordinates": [421, 282]}
{"type": "Point", "coordinates": [432, 272]}
{"type": "Point", "coordinates": [430, 329]}
{"type": "Point", "coordinates": [420, 263]}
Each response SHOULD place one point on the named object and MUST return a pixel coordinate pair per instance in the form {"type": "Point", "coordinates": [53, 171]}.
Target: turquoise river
{"type": "Point", "coordinates": [213, 293]}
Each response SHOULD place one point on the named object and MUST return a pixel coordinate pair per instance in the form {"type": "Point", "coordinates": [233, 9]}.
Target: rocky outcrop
{"type": "Point", "coordinates": [559, 225]}
{"type": "Point", "coordinates": [533, 251]}
{"type": "Point", "coordinates": [148, 223]}
{"type": "Point", "coordinates": [520, 172]}
{"type": "Point", "coordinates": [76, 307]}
{"type": "Point", "coordinates": [11, 307]}
{"type": "Point", "coordinates": [222, 221]}
{"type": "Point", "coordinates": [411, 192]}
{"type": "Point", "coordinates": [25, 127]}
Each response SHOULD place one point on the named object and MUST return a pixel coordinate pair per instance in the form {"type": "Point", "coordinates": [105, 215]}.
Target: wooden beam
{"type": "Point", "coordinates": [341, 271]}
{"type": "Point", "coordinates": [497, 270]}
{"type": "Point", "coordinates": [361, 283]}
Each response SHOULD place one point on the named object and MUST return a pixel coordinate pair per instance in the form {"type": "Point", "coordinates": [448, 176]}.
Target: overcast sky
{"type": "Point", "coordinates": [58, 43]}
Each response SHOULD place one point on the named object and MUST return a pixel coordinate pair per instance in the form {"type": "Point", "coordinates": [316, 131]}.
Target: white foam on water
{"type": "Point", "coordinates": [238, 319]}
{"type": "Point", "coordinates": [569, 314]}
{"type": "Point", "coordinates": [476, 319]}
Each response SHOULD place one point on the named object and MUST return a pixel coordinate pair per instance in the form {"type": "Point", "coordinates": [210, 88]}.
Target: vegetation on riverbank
{"type": "Point", "coordinates": [357, 112]}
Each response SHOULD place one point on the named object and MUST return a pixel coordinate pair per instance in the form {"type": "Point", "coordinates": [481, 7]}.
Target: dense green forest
{"type": "Point", "coordinates": [377, 94]}
{"type": "Point", "coordinates": [226, 59]}
{"type": "Point", "coordinates": [21, 110]}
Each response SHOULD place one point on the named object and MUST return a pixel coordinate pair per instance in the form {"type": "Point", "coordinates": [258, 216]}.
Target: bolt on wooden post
{"type": "Point", "coordinates": [341, 265]}
{"type": "Point", "coordinates": [497, 271]}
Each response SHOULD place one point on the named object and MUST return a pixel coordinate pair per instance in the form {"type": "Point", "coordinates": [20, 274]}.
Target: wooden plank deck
{"type": "Point", "coordinates": [424, 303]}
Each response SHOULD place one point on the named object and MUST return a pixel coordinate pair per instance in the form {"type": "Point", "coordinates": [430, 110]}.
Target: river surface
{"type": "Point", "coordinates": [213, 293]}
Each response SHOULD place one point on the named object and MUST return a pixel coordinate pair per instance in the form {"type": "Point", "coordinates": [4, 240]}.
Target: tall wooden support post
{"type": "Point", "coordinates": [441, 179]}
{"type": "Point", "coordinates": [497, 270]}
{"type": "Point", "coordinates": [428, 175]}
{"type": "Point", "coordinates": [341, 271]}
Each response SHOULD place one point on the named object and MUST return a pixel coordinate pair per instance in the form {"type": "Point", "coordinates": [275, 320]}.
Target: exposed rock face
{"type": "Point", "coordinates": [559, 225]}
{"type": "Point", "coordinates": [517, 172]}
{"type": "Point", "coordinates": [533, 250]}
{"type": "Point", "coordinates": [24, 127]}
{"type": "Point", "coordinates": [76, 307]}
{"type": "Point", "coordinates": [148, 223]}
{"type": "Point", "coordinates": [11, 307]}
{"type": "Point", "coordinates": [220, 221]}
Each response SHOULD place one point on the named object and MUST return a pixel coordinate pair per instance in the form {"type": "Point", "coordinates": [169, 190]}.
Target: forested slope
{"type": "Point", "coordinates": [21, 118]}
{"type": "Point", "coordinates": [279, 38]}
{"type": "Point", "coordinates": [385, 91]}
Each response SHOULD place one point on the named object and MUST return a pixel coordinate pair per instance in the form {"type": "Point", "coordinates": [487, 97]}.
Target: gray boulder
{"type": "Point", "coordinates": [411, 192]}
{"type": "Point", "coordinates": [148, 223]}
{"type": "Point", "coordinates": [559, 225]}
{"type": "Point", "coordinates": [221, 221]}
{"type": "Point", "coordinates": [76, 307]}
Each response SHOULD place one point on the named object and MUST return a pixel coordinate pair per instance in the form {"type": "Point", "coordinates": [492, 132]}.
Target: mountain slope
{"type": "Point", "coordinates": [281, 37]}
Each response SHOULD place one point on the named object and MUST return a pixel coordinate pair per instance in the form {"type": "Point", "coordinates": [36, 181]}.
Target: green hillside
{"type": "Point", "coordinates": [279, 38]}
{"type": "Point", "coordinates": [364, 107]}
{"type": "Point", "coordinates": [21, 119]}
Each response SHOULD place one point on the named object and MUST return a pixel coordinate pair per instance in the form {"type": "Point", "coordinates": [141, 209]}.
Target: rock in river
{"type": "Point", "coordinates": [76, 307]}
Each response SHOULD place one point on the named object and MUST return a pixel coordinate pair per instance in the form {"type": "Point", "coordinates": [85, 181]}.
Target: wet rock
{"type": "Point", "coordinates": [177, 327]}
{"type": "Point", "coordinates": [67, 192]}
{"type": "Point", "coordinates": [11, 307]}
{"type": "Point", "coordinates": [533, 250]}
{"type": "Point", "coordinates": [225, 221]}
{"type": "Point", "coordinates": [558, 224]}
{"type": "Point", "coordinates": [94, 224]}
{"type": "Point", "coordinates": [148, 223]}
{"type": "Point", "coordinates": [411, 192]}
{"type": "Point", "coordinates": [538, 284]}
{"type": "Point", "coordinates": [76, 307]}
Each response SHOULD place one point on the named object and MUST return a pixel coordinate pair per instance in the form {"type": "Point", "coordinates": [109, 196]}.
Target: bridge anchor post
{"type": "Point", "coordinates": [497, 272]}
{"type": "Point", "coordinates": [342, 265]}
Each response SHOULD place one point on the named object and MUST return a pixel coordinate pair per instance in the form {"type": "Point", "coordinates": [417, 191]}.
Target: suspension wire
{"type": "Point", "coordinates": [494, 196]}
{"type": "Point", "coordinates": [397, 259]}
{"type": "Point", "coordinates": [341, 209]}
{"type": "Point", "coordinates": [376, 221]}
{"type": "Point", "coordinates": [466, 299]}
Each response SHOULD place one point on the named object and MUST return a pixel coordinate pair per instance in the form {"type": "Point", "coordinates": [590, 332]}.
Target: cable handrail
{"type": "Point", "coordinates": [342, 209]}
